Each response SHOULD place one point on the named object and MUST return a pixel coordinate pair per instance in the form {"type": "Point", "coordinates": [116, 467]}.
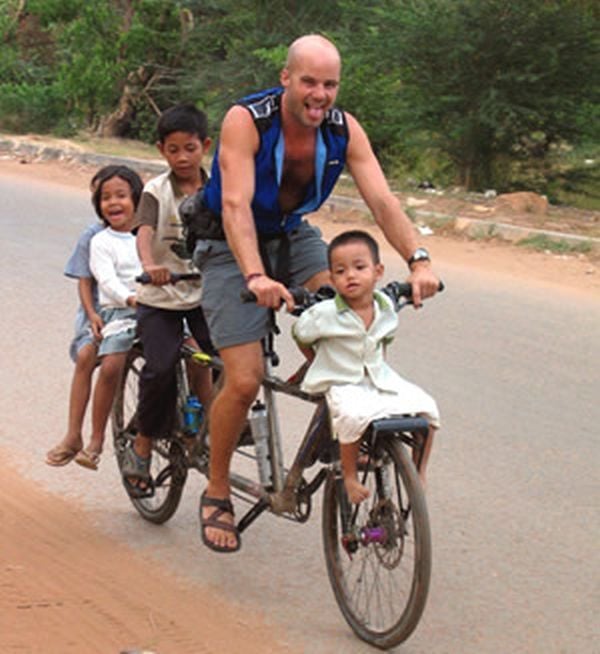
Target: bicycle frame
{"type": "Point", "coordinates": [378, 552]}
{"type": "Point", "coordinates": [283, 497]}
{"type": "Point", "coordinates": [288, 495]}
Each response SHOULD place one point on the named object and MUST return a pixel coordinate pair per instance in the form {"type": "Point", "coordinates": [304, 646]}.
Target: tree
{"type": "Point", "coordinates": [99, 62]}
{"type": "Point", "coordinates": [481, 77]}
{"type": "Point", "coordinates": [240, 46]}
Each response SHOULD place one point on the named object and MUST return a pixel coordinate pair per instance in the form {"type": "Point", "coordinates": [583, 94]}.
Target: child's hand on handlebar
{"type": "Point", "coordinates": [270, 293]}
{"type": "Point", "coordinates": [159, 275]}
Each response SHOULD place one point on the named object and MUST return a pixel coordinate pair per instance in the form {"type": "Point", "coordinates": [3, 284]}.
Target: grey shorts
{"type": "Point", "coordinates": [83, 336]}
{"type": "Point", "coordinates": [121, 340]}
{"type": "Point", "coordinates": [230, 321]}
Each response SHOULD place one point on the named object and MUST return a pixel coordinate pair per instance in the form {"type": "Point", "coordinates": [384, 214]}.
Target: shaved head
{"type": "Point", "coordinates": [311, 45]}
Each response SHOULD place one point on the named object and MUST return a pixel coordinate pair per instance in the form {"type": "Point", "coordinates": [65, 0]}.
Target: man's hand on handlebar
{"type": "Point", "coordinates": [424, 283]}
{"type": "Point", "coordinates": [270, 293]}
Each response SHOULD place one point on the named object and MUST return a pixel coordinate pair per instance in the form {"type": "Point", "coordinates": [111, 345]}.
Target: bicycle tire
{"type": "Point", "coordinates": [381, 588]}
{"type": "Point", "coordinates": [168, 467]}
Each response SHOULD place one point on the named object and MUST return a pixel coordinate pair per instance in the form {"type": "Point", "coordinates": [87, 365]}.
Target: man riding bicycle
{"type": "Point", "coordinates": [280, 153]}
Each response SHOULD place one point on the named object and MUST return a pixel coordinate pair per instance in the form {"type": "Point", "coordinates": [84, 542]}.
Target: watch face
{"type": "Point", "coordinates": [420, 254]}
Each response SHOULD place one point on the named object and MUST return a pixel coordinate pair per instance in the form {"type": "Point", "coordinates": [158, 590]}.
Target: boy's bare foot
{"type": "Point", "coordinates": [355, 490]}
{"type": "Point", "coordinates": [88, 458]}
{"type": "Point", "coordinates": [64, 452]}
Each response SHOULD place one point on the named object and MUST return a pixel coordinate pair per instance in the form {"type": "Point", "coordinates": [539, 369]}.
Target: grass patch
{"type": "Point", "coordinates": [484, 233]}
{"type": "Point", "coordinates": [544, 243]}
{"type": "Point", "coordinates": [117, 147]}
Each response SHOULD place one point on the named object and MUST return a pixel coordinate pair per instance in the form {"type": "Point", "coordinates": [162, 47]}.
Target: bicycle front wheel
{"type": "Point", "coordinates": [379, 554]}
{"type": "Point", "coordinates": [168, 467]}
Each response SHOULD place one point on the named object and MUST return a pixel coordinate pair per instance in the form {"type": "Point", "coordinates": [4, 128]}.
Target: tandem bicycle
{"type": "Point", "coordinates": [378, 553]}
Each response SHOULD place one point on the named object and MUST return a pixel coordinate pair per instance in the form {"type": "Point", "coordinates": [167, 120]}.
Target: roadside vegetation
{"type": "Point", "coordinates": [543, 243]}
{"type": "Point", "coordinates": [488, 94]}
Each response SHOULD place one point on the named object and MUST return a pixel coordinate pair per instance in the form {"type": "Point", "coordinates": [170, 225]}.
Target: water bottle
{"type": "Point", "coordinates": [259, 424]}
{"type": "Point", "coordinates": [192, 415]}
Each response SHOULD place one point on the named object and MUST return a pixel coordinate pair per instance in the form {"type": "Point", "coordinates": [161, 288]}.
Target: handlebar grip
{"type": "Point", "coordinates": [247, 296]}
{"type": "Point", "coordinates": [298, 293]}
{"type": "Point", "coordinates": [145, 278]}
{"type": "Point", "coordinates": [403, 290]}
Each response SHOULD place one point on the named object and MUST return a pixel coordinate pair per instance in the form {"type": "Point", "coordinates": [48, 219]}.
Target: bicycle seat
{"type": "Point", "coordinates": [411, 424]}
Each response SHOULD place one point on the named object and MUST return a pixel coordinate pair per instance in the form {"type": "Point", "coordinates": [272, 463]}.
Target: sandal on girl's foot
{"type": "Point", "coordinates": [135, 474]}
{"type": "Point", "coordinates": [61, 454]}
{"type": "Point", "coordinates": [221, 506]}
{"type": "Point", "coordinates": [88, 459]}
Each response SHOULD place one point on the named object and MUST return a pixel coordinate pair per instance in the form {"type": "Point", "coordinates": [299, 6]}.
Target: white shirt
{"type": "Point", "coordinates": [115, 265]}
{"type": "Point", "coordinates": [344, 348]}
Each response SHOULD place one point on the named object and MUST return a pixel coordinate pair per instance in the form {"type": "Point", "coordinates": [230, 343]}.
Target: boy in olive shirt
{"type": "Point", "coordinates": [162, 306]}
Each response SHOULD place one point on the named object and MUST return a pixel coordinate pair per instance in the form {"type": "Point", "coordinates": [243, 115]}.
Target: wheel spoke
{"type": "Point", "coordinates": [376, 585]}
{"type": "Point", "coordinates": [168, 460]}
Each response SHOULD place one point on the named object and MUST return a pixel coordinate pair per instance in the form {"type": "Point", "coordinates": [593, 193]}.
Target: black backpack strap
{"type": "Point", "coordinates": [281, 272]}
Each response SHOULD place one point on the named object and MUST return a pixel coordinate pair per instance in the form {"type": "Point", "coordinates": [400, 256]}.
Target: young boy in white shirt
{"type": "Point", "coordinates": [345, 338]}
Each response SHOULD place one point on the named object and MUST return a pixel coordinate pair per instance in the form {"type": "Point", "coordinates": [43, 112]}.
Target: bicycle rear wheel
{"type": "Point", "coordinates": [379, 554]}
{"type": "Point", "coordinates": [168, 467]}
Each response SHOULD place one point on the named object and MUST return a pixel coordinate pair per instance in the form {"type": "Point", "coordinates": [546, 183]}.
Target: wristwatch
{"type": "Point", "coordinates": [420, 254]}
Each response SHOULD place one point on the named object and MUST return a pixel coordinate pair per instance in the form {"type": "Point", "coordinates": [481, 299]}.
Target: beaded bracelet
{"type": "Point", "coordinates": [252, 276]}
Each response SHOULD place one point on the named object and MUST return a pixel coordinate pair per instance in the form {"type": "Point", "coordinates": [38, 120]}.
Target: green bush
{"type": "Point", "coordinates": [31, 108]}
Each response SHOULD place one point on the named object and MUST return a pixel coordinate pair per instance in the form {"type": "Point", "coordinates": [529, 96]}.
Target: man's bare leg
{"type": "Point", "coordinates": [243, 373]}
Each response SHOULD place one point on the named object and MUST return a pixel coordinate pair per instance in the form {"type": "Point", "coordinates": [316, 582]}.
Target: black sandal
{"type": "Point", "coordinates": [221, 506]}
{"type": "Point", "coordinates": [135, 474]}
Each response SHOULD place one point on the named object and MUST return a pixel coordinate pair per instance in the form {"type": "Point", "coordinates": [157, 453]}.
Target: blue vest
{"type": "Point", "coordinates": [330, 157]}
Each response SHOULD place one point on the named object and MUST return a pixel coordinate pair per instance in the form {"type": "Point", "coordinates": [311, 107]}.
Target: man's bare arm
{"type": "Point", "coordinates": [386, 209]}
{"type": "Point", "coordinates": [239, 142]}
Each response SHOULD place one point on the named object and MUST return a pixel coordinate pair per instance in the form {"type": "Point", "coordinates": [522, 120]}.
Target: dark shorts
{"type": "Point", "coordinates": [230, 321]}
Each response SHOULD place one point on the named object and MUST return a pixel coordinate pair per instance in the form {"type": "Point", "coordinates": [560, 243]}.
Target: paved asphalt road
{"type": "Point", "coordinates": [513, 483]}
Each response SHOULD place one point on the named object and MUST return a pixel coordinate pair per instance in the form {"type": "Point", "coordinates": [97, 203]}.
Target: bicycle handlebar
{"type": "Point", "coordinates": [145, 278]}
{"type": "Point", "coordinates": [399, 292]}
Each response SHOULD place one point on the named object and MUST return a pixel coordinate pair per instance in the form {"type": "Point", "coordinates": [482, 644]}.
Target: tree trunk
{"type": "Point", "coordinates": [117, 123]}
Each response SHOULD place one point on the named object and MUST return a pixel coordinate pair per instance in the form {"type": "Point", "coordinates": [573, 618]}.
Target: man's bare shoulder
{"type": "Point", "coordinates": [239, 116]}
{"type": "Point", "coordinates": [238, 132]}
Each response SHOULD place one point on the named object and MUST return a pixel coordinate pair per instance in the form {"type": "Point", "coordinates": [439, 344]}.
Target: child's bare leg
{"type": "Point", "coordinates": [79, 395]}
{"type": "Point", "coordinates": [81, 387]}
{"type": "Point", "coordinates": [201, 383]}
{"type": "Point", "coordinates": [110, 371]}
{"type": "Point", "coordinates": [424, 457]}
{"type": "Point", "coordinates": [349, 456]}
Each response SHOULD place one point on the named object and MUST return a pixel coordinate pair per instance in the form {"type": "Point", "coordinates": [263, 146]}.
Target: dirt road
{"type": "Point", "coordinates": [67, 587]}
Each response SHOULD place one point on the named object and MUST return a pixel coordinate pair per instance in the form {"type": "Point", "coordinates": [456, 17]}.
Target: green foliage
{"type": "Point", "coordinates": [31, 107]}
{"type": "Point", "coordinates": [240, 46]}
{"type": "Point", "coordinates": [481, 77]}
{"type": "Point", "coordinates": [493, 93]}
